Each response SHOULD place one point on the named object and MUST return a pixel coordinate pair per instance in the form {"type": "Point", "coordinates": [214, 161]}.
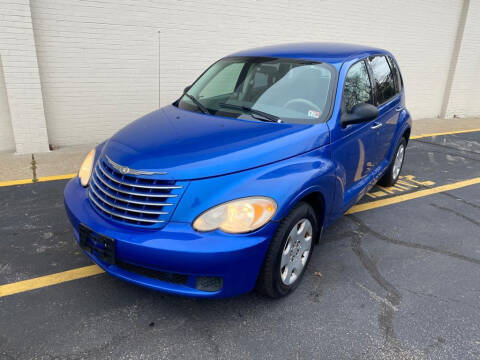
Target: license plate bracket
{"type": "Point", "coordinates": [97, 244]}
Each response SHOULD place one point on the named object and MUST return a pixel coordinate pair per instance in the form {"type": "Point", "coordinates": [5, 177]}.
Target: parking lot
{"type": "Point", "coordinates": [398, 278]}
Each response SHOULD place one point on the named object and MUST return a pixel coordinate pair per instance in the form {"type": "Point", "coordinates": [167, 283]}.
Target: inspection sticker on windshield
{"type": "Point", "coordinates": [313, 113]}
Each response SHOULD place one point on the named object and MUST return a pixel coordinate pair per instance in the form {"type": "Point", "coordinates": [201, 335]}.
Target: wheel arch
{"type": "Point", "coordinates": [317, 201]}
{"type": "Point", "coordinates": [406, 134]}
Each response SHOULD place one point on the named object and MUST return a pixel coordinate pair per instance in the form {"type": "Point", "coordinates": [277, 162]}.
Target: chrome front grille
{"type": "Point", "coordinates": [135, 200]}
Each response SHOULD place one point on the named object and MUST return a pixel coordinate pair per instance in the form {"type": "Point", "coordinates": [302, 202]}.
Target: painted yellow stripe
{"type": "Point", "coordinates": [443, 133]}
{"type": "Point", "coordinates": [83, 272]}
{"type": "Point", "coordinates": [56, 177]}
{"type": "Point", "coordinates": [69, 176]}
{"type": "Point", "coordinates": [40, 179]}
{"type": "Point", "coordinates": [15, 182]}
{"type": "Point", "coordinates": [48, 280]}
{"type": "Point", "coordinates": [413, 195]}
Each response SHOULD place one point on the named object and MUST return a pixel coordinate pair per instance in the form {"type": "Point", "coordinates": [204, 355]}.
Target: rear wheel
{"type": "Point", "coordinates": [289, 252]}
{"type": "Point", "coordinates": [393, 172]}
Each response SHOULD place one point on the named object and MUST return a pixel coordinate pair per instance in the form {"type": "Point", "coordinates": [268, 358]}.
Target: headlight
{"type": "Point", "coordinates": [86, 168]}
{"type": "Point", "coordinates": [237, 216]}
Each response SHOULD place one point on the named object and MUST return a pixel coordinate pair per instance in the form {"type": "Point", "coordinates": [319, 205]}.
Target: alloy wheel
{"type": "Point", "coordinates": [296, 250]}
{"type": "Point", "coordinates": [397, 165]}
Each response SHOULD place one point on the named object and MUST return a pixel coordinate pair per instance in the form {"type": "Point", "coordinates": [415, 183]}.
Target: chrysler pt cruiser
{"type": "Point", "coordinates": [229, 188]}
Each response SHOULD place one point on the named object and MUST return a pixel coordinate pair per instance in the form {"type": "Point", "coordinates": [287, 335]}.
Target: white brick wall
{"type": "Point", "coordinates": [98, 60]}
{"type": "Point", "coordinates": [21, 77]}
{"type": "Point", "coordinates": [465, 92]}
{"type": "Point", "coordinates": [6, 134]}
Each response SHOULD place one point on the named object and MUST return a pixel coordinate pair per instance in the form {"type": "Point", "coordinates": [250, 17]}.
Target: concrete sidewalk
{"type": "Point", "coordinates": [68, 159]}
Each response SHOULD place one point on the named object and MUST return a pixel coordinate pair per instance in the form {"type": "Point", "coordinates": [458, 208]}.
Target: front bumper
{"type": "Point", "coordinates": [175, 249]}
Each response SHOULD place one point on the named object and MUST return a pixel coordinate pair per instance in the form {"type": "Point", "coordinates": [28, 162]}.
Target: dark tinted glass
{"type": "Point", "coordinates": [357, 89]}
{"type": "Point", "coordinates": [383, 79]}
{"type": "Point", "coordinates": [396, 74]}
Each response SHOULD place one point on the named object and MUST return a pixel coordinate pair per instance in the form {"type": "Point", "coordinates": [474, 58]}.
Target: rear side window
{"type": "Point", "coordinates": [358, 88]}
{"type": "Point", "coordinates": [396, 74]}
{"type": "Point", "coordinates": [384, 83]}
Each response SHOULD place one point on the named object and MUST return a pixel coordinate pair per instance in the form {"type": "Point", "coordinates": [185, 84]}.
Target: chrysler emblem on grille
{"type": "Point", "coordinates": [126, 170]}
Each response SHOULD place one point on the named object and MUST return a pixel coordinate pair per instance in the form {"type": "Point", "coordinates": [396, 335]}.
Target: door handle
{"type": "Point", "coordinates": [376, 126]}
{"type": "Point", "coordinates": [399, 108]}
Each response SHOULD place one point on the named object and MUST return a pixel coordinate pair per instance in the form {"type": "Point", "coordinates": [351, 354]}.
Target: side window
{"type": "Point", "coordinates": [384, 83]}
{"type": "Point", "coordinates": [396, 74]}
{"type": "Point", "coordinates": [260, 80]}
{"type": "Point", "coordinates": [357, 89]}
{"type": "Point", "coordinates": [262, 76]}
{"type": "Point", "coordinates": [223, 83]}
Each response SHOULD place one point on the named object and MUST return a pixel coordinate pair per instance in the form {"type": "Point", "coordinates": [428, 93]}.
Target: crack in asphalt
{"type": "Point", "coordinates": [394, 297]}
{"type": "Point", "coordinates": [4, 355]}
{"type": "Point", "coordinates": [475, 222]}
{"type": "Point", "coordinates": [385, 318]}
{"type": "Point", "coordinates": [442, 298]}
{"type": "Point", "coordinates": [385, 238]}
{"type": "Point", "coordinates": [453, 154]}
{"type": "Point", "coordinates": [336, 237]}
{"type": "Point", "coordinates": [376, 297]}
{"type": "Point", "coordinates": [461, 200]}
{"type": "Point", "coordinates": [447, 147]}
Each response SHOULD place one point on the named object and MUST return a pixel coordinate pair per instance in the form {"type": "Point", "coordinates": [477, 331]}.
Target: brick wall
{"type": "Point", "coordinates": [21, 78]}
{"type": "Point", "coordinates": [6, 134]}
{"type": "Point", "coordinates": [99, 62]}
{"type": "Point", "coordinates": [464, 97]}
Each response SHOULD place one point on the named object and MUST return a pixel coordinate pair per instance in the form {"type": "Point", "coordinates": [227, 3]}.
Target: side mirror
{"type": "Point", "coordinates": [187, 88]}
{"type": "Point", "coordinates": [360, 113]}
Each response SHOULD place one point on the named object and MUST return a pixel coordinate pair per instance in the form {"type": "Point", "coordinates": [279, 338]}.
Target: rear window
{"type": "Point", "coordinates": [384, 83]}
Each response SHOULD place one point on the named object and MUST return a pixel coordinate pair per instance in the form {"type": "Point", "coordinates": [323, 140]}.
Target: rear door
{"type": "Point", "coordinates": [388, 101]}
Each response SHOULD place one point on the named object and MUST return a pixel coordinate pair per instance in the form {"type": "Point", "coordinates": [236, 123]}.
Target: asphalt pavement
{"type": "Point", "coordinates": [398, 281]}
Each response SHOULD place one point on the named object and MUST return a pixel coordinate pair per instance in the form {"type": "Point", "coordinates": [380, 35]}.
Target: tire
{"type": "Point", "coordinates": [273, 280]}
{"type": "Point", "coordinates": [393, 172]}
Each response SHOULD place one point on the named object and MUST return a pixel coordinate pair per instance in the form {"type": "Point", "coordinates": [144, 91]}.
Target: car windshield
{"type": "Point", "coordinates": [264, 89]}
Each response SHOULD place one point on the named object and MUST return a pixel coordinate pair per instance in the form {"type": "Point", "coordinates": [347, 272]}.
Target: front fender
{"type": "Point", "coordinates": [286, 181]}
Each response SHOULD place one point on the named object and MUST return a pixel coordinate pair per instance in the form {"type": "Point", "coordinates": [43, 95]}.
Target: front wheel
{"type": "Point", "coordinates": [393, 172]}
{"type": "Point", "coordinates": [289, 252]}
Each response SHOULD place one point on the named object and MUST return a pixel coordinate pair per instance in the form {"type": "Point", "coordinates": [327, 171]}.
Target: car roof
{"type": "Point", "coordinates": [333, 53]}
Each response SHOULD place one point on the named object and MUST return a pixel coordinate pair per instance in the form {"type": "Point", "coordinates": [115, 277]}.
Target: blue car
{"type": "Point", "coordinates": [229, 188]}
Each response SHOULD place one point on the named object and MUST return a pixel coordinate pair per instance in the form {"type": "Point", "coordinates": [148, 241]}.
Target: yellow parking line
{"type": "Point", "coordinates": [40, 179]}
{"type": "Point", "coordinates": [58, 278]}
{"type": "Point", "coordinates": [444, 133]}
{"type": "Point", "coordinates": [69, 176]}
{"type": "Point", "coordinates": [57, 177]}
{"type": "Point", "coordinates": [15, 182]}
{"type": "Point", "coordinates": [47, 280]}
{"type": "Point", "coordinates": [413, 195]}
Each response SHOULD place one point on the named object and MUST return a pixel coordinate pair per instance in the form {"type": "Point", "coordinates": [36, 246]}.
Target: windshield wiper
{"type": "Point", "coordinates": [198, 103]}
{"type": "Point", "coordinates": [265, 116]}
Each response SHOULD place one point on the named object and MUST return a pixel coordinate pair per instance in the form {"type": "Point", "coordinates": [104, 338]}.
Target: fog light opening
{"type": "Point", "coordinates": [209, 283]}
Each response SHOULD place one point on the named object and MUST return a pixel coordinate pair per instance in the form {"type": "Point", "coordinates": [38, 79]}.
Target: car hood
{"type": "Point", "coordinates": [189, 145]}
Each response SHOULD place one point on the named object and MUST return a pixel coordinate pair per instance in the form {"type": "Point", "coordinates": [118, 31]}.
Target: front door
{"type": "Point", "coordinates": [354, 147]}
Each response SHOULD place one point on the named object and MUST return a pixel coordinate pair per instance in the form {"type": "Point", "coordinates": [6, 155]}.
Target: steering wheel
{"type": "Point", "coordinates": [310, 105]}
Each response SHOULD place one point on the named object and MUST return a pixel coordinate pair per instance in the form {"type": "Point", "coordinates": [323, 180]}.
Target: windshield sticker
{"type": "Point", "coordinates": [314, 114]}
